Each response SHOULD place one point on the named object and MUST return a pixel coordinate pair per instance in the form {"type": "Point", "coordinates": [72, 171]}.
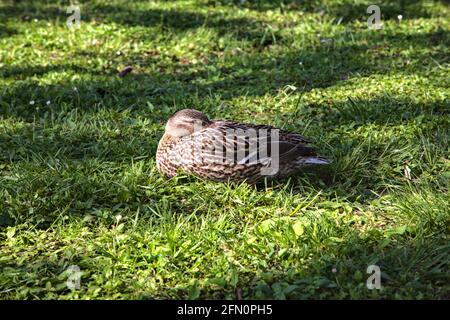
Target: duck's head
{"type": "Point", "coordinates": [186, 122]}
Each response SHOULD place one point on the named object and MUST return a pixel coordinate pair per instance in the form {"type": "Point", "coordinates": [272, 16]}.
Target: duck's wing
{"type": "Point", "coordinates": [235, 143]}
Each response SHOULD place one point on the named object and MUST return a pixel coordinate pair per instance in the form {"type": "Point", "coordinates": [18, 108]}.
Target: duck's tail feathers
{"type": "Point", "coordinates": [316, 160]}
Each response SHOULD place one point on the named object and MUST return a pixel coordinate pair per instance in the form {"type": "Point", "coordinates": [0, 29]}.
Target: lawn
{"type": "Point", "coordinates": [79, 184]}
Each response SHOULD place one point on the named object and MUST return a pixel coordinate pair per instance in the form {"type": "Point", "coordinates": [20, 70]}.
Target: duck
{"type": "Point", "coordinates": [224, 150]}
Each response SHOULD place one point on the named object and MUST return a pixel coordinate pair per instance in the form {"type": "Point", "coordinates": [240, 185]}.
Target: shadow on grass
{"type": "Point", "coordinates": [347, 9]}
{"type": "Point", "coordinates": [133, 14]}
{"type": "Point", "coordinates": [254, 74]}
{"type": "Point", "coordinates": [6, 32]}
{"type": "Point", "coordinates": [264, 71]}
{"type": "Point", "coordinates": [130, 15]}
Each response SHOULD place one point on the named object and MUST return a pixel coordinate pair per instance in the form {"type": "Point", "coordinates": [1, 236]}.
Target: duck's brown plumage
{"type": "Point", "coordinates": [206, 148]}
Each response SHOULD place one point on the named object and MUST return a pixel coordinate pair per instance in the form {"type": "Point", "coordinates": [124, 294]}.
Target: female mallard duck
{"type": "Point", "coordinates": [223, 150]}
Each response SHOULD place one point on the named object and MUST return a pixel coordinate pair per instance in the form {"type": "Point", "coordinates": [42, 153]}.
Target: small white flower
{"type": "Point", "coordinates": [35, 20]}
{"type": "Point", "coordinates": [75, 89]}
{"type": "Point", "coordinates": [118, 217]}
{"type": "Point", "coordinates": [334, 270]}
{"type": "Point", "coordinates": [300, 63]}
{"type": "Point", "coordinates": [400, 17]}
{"type": "Point", "coordinates": [32, 102]}
{"type": "Point", "coordinates": [48, 102]}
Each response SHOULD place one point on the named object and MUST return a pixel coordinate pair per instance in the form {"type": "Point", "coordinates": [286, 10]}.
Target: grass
{"type": "Point", "coordinates": [79, 186]}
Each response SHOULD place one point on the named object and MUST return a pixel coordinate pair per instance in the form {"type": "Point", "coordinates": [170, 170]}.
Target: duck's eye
{"type": "Point", "coordinates": [197, 124]}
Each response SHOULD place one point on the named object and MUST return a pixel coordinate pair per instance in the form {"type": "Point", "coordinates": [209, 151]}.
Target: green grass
{"type": "Point", "coordinates": [79, 186]}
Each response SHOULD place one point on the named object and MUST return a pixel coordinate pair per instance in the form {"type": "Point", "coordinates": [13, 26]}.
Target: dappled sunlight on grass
{"type": "Point", "coordinates": [79, 185]}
